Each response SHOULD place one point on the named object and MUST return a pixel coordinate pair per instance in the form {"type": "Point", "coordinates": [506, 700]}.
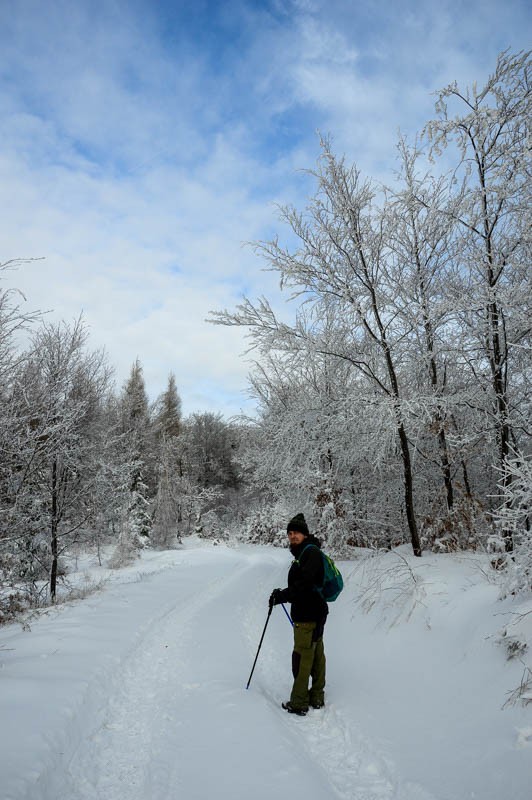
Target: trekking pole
{"type": "Point", "coordinates": [260, 644]}
{"type": "Point", "coordinates": [288, 615]}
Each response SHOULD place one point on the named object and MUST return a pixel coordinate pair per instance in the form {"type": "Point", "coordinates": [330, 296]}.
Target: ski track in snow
{"type": "Point", "coordinates": [123, 751]}
{"type": "Point", "coordinates": [168, 705]}
{"type": "Point", "coordinates": [354, 767]}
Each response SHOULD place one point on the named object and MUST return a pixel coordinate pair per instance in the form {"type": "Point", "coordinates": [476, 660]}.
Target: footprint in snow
{"type": "Point", "coordinates": [355, 769]}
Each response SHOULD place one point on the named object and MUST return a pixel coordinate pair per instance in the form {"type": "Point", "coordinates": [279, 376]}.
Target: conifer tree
{"type": "Point", "coordinates": [167, 425]}
{"type": "Point", "coordinates": [135, 525]}
{"type": "Point", "coordinates": [167, 422]}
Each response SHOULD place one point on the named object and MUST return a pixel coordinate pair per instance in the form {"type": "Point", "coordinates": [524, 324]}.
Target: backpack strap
{"type": "Point", "coordinates": [296, 560]}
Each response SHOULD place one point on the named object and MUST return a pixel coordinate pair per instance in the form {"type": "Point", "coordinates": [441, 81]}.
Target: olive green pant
{"type": "Point", "coordinates": [308, 662]}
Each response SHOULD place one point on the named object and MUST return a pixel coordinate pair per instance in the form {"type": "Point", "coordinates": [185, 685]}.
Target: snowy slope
{"type": "Point", "coordinates": [138, 691]}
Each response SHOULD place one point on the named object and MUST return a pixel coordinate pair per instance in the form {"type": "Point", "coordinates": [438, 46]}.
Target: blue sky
{"type": "Point", "coordinates": [142, 143]}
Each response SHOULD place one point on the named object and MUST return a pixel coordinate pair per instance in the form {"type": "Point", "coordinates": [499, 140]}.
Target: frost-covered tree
{"type": "Point", "coordinates": [138, 454]}
{"type": "Point", "coordinates": [167, 416]}
{"type": "Point", "coordinates": [58, 394]}
{"type": "Point", "coordinates": [203, 474]}
{"type": "Point", "coordinates": [15, 555]}
{"type": "Point", "coordinates": [490, 127]}
{"type": "Point", "coordinates": [348, 312]}
{"type": "Point", "coordinates": [135, 420]}
{"type": "Point", "coordinates": [424, 291]}
{"type": "Point", "coordinates": [421, 260]}
{"type": "Point", "coordinates": [325, 445]}
{"type": "Point", "coordinates": [168, 505]}
{"type": "Point", "coordinates": [211, 450]}
{"type": "Point", "coordinates": [515, 515]}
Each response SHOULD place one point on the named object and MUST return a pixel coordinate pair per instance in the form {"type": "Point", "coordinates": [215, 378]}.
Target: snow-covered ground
{"type": "Point", "coordinates": [138, 691]}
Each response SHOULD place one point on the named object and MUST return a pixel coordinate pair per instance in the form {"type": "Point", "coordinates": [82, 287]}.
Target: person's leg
{"type": "Point", "coordinates": [317, 694]}
{"type": "Point", "coordinates": [302, 662]}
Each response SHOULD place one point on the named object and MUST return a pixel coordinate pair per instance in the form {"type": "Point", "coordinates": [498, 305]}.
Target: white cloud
{"type": "Point", "coordinates": [137, 158]}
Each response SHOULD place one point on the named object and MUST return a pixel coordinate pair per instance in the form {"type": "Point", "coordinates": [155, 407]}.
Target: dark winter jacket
{"type": "Point", "coordinates": [304, 576]}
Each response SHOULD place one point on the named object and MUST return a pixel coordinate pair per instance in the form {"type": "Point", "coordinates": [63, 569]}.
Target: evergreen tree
{"type": "Point", "coordinates": [137, 453]}
{"type": "Point", "coordinates": [167, 425]}
{"type": "Point", "coordinates": [167, 421]}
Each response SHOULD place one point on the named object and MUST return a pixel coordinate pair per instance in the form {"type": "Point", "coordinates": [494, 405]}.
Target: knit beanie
{"type": "Point", "coordinates": [298, 524]}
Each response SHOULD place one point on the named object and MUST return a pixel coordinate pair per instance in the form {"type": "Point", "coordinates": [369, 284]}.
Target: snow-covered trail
{"type": "Point", "coordinates": [165, 713]}
{"type": "Point", "coordinates": [179, 723]}
{"type": "Point", "coordinates": [138, 693]}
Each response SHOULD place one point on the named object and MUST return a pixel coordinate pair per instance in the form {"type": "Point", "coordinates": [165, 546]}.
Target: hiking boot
{"type": "Point", "coordinates": [318, 704]}
{"type": "Point", "coordinates": [292, 710]}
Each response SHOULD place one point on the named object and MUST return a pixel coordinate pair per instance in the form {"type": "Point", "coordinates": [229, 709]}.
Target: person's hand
{"type": "Point", "coordinates": [275, 598]}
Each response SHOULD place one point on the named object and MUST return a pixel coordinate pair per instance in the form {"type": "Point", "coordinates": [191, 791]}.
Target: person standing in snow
{"type": "Point", "coordinates": [309, 613]}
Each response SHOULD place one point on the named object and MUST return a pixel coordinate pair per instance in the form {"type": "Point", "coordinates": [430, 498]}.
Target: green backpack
{"type": "Point", "coordinates": [333, 583]}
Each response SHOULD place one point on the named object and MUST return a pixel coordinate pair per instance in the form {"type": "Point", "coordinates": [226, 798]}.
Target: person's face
{"type": "Point", "coordinates": [295, 537]}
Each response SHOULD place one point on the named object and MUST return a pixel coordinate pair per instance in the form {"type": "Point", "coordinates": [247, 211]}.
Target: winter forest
{"type": "Point", "coordinates": [393, 407]}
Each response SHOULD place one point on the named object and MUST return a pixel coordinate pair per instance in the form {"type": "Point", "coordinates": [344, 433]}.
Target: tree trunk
{"type": "Point", "coordinates": [53, 541]}
{"type": "Point", "coordinates": [438, 416]}
{"type": "Point", "coordinates": [409, 490]}
{"type": "Point", "coordinates": [445, 462]}
{"type": "Point", "coordinates": [497, 350]}
{"type": "Point", "coordinates": [403, 439]}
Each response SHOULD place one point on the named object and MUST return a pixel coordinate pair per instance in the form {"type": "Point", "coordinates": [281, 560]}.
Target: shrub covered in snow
{"type": "Point", "coordinates": [514, 518]}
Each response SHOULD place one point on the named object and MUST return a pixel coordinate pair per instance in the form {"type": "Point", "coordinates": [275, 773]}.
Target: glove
{"type": "Point", "coordinates": [275, 598]}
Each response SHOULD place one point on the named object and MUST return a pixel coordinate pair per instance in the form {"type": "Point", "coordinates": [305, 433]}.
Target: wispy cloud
{"type": "Point", "coordinates": [142, 143]}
